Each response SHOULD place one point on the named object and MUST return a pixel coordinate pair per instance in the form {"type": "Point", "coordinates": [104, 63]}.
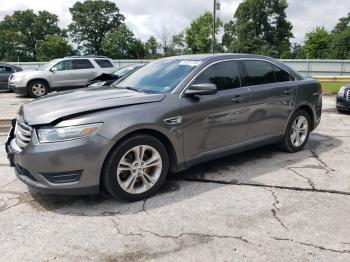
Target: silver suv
{"type": "Point", "coordinates": [60, 74]}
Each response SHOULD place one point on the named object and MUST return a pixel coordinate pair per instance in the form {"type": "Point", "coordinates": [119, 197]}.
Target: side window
{"type": "Point", "coordinates": [82, 64]}
{"type": "Point", "coordinates": [5, 70]}
{"type": "Point", "coordinates": [224, 74]}
{"type": "Point", "coordinates": [64, 65]}
{"type": "Point", "coordinates": [258, 73]}
{"type": "Point", "coordinates": [281, 75]}
{"type": "Point", "coordinates": [104, 63]}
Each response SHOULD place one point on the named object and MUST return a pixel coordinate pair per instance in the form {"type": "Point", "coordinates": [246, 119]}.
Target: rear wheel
{"type": "Point", "coordinates": [297, 132]}
{"type": "Point", "coordinates": [37, 88]}
{"type": "Point", "coordinates": [136, 168]}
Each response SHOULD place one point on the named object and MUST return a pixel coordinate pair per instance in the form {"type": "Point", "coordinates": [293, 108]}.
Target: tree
{"type": "Point", "coordinates": [317, 43]}
{"type": "Point", "coordinates": [177, 44]}
{"type": "Point", "coordinates": [343, 24]}
{"type": "Point", "coordinates": [151, 45]}
{"type": "Point", "coordinates": [259, 26]}
{"type": "Point", "coordinates": [340, 45]}
{"type": "Point", "coordinates": [165, 40]}
{"type": "Point", "coordinates": [198, 36]}
{"type": "Point", "coordinates": [91, 21]}
{"type": "Point", "coordinates": [340, 39]}
{"type": "Point", "coordinates": [53, 47]}
{"type": "Point", "coordinates": [121, 43]}
{"type": "Point", "coordinates": [297, 52]}
{"type": "Point", "coordinates": [23, 30]}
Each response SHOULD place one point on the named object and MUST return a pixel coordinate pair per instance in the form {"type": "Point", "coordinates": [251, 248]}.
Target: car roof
{"type": "Point", "coordinates": [10, 65]}
{"type": "Point", "coordinates": [209, 57]}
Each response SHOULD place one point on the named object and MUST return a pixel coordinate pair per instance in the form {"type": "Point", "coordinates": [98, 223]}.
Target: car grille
{"type": "Point", "coordinates": [23, 134]}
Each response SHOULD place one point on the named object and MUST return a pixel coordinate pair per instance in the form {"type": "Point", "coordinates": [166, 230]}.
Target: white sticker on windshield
{"type": "Point", "coordinates": [190, 62]}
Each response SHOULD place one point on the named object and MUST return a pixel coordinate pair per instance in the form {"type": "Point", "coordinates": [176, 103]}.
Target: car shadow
{"type": "Point", "coordinates": [172, 191]}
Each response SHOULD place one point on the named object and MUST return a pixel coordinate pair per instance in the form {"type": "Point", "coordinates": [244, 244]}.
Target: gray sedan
{"type": "Point", "coordinates": [169, 115]}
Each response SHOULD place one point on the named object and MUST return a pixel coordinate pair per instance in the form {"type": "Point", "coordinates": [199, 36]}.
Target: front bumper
{"type": "Point", "coordinates": [18, 89]}
{"type": "Point", "coordinates": [343, 104]}
{"type": "Point", "coordinates": [64, 168]}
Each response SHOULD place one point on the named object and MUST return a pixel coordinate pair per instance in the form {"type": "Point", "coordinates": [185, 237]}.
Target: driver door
{"type": "Point", "coordinates": [62, 77]}
{"type": "Point", "coordinates": [214, 123]}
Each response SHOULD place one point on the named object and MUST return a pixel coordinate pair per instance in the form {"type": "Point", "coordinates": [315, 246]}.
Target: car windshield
{"type": "Point", "coordinates": [47, 65]}
{"type": "Point", "coordinates": [160, 76]}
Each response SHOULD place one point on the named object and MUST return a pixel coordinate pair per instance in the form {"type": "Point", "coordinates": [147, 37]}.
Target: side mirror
{"type": "Point", "coordinates": [53, 69]}
{"type": "Point", "coordinates": [201, 89]}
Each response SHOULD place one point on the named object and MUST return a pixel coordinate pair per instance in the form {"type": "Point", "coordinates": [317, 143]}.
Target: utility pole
{"type": "Point", "coordinates": [215, 8]}
{"type": "Point", "coordinates": [214, 18]}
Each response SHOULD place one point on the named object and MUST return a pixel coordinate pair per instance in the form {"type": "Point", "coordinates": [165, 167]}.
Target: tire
{"type": "Point", "coordinates": [37, 88]}
{"type": "Point", "coordinates": [290, 141]}
{"type": "Point", "coordinates": [126, 177]}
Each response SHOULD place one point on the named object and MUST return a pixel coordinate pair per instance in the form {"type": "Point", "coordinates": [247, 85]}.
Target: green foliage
{"type": "Point", "coordinates": [199, 35]}
{"type": "Point", "coordinates": [297, 52]}
{"type": "Point", "coordinates": [343, 24]}
{"type": "Point", "coordinates": [21, 32]}
{"type": "Point", "coordinates": [121, 43]}
{"type": "Point", "coordinates": [91, 21]}
{"type": "Point", "coordinates": [151, 45]}
{"type": "Point", "coordinates": [177, 44]}
{"type": "Point", "coordinates": [259, 26]}
{"type": "Point", "coordinates": [317, 43]}
{"type": "Point", "coordinates": [331, 87]}
{"type": "Point", "coordinates": [53, 47]}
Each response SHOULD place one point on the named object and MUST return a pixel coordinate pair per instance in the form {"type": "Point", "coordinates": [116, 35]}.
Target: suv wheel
{"type": "Point", "coordinates": [297, 132]}
{"type": "Point", "coordinates": [37, 89]}
{"type": "Point", "coordinates": [136, 168]}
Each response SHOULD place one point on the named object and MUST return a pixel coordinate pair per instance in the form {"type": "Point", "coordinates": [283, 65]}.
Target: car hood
{"type": "Point", "coordinates": [57, 106]}
{"type": "Point", "coordinates": [28, 73]}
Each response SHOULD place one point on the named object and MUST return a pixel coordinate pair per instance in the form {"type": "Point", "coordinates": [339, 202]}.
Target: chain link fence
{"type": "Point", "coordinates": [306, 67]}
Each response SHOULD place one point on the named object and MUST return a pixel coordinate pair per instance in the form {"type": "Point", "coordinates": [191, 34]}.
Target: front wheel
{"type": "Point", "coordinates": [37, 88]}
{"type": "Point", "coordinates": [297, 132]}
{"type": "Point", "coordinates": [136, 168]}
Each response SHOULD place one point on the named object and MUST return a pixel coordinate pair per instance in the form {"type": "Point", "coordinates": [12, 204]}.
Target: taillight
{"type": "Point", "coordinates": [321, 89]}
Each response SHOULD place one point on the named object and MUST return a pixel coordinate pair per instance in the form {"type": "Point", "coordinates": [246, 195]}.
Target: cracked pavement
{"type": "Point", "coordinates": [260, 205]}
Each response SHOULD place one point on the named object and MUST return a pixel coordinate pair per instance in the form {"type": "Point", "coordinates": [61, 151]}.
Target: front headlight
{"type": "Point", "coordinates": [57, 134]}
{"type": "Point", "coordinates": [18, 78]}
{"type": "Point", "coordinates": [341, 91]}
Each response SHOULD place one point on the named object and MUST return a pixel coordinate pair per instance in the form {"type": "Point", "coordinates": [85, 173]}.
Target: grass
{"type": "Point", "coordinates": [331, 87]}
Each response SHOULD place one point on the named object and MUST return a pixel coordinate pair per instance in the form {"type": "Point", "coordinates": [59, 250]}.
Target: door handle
{"type": "Point", "coordinates": [289, 91]}
{"type": "Point", "coordinates": [237, 99]}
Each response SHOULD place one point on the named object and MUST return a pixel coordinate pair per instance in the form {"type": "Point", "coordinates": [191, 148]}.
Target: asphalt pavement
{"type": "Point", "coordinates": [261, 205]}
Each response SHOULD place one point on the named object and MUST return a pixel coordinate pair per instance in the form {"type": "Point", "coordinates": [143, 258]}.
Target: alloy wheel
{"type": "Point", "coordinates": [299, 131]}
{"type": "Point", "coordinates": [139, 169]}
{"type": "Point", "coordinates": [38, 89]}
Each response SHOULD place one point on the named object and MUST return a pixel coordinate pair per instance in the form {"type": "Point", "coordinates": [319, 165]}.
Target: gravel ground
{"type": "Point", "coordinates": [259, 205]}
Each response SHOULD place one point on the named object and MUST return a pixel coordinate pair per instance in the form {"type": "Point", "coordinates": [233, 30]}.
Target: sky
{"type": "Point", "coordinates": [148, 17]}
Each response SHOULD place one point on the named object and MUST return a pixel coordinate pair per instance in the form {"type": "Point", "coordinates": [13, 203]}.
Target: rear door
{"type": "Point", "coordinates": [273, 93]}
{"type": "Point", "coordinates": [84, 70]}
{"type": "Point", "coordinates": [214, 123]}
{"type": "Point", "coordinates": [5, 72]}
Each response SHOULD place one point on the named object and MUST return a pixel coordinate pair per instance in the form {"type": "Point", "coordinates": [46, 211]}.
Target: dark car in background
{"type": "Point", "coordinates": [108, 79]}
{"type": "Point", "coordinates": [169, 115]}
{"type": "Point", "coordinates": [5, 71]}
{"type": "Point", "coordinates": [343, 99]}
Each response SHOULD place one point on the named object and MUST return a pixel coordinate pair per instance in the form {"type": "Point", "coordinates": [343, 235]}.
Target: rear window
{"type": "Point", "coordinates": [281, 75]}
{"type": "Point", "coordinates": [82, 64]}
{"type": "Point", "coordinates": [104, 63]}
{"type": "Point", "coordinates": [258, 73]}
{"type": "Point", "coordinates": [261, 72]}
